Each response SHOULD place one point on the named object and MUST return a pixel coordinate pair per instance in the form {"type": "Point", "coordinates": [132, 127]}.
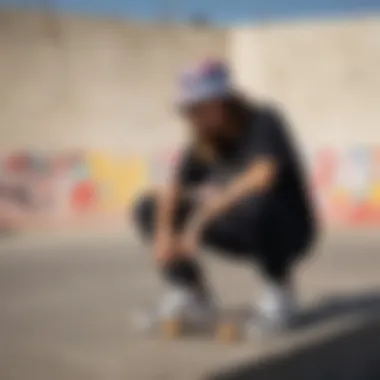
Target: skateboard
{"type": "Point", "coordinates": [226, 327]}
{"type": "Point", "coordinates": [224, 331]}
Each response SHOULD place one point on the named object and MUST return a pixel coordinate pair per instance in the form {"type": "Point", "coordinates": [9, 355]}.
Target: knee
{"type": "Point", "coordinates": [223, 235]}
{"type": "Point", "coordinates": [144, 214]}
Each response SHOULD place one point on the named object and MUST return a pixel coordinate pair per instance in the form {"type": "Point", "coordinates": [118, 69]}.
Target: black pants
{"type": "Point", "coordinates": [260, 230]}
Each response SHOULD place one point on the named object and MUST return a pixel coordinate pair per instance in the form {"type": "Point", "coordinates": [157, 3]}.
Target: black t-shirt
{"type": "Point", "coordinates": [266, 135]}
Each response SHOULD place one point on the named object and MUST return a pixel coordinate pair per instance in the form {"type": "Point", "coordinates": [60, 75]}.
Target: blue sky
{"type": "Point", "coordinates": [220, 11]}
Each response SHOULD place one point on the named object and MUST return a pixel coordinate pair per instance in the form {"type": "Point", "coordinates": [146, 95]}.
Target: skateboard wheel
{"type": "Point", "coordinates": [227, 332]}
{"type": "Point", "coordinates": [171, 329]}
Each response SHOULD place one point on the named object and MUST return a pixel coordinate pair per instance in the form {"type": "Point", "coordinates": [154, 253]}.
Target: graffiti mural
{"type": "Point", "coordinates": [347, 185]}
{"type": "Point", "coordinates": [39, 189]}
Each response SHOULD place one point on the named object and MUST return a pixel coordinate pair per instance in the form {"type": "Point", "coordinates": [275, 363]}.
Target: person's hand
{"type": "Point", "coordinates": [190, 239]}
{"type": "Point", "coordinates": [189, 243]}
{"type": "Point", "coordinates": [164, 247]}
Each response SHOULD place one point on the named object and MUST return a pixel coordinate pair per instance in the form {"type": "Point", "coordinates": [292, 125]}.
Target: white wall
{"type": "Point", "coordinates": [326, 74]}
{"type": "Point", "coordinates": [82, 82]}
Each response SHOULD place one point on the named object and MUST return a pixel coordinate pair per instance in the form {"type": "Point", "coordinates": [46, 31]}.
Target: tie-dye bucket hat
{"type": "Point", "coordinates": [206, 81]}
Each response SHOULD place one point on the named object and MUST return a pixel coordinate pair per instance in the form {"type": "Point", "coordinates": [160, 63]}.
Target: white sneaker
{"type": "Point", "coordinates": [274, 311]}
{"type": "Point", "coordinates": [177, 303]}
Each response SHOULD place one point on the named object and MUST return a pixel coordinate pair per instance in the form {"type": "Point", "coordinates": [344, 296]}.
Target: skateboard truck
{"type": "Point", "coordinates": [172, 328]}
{"type": "Point", "coordinates": [224, 331]}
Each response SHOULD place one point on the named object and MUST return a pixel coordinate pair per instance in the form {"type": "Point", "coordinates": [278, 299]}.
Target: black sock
{"type": "Point", "coordinates": [185, 273]}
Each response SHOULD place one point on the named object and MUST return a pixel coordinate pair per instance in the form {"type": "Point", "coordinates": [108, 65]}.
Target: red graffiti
{"type": "Point", "coordinates": [17, 163]}
{"type": "Point", "coordinates": [326, 164]}
{"type": "Point", "coordinates": [83, 196]}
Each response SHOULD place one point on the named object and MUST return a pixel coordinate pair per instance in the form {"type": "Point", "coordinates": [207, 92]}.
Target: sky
{"type": "Point", "coordinates": [218, 11]}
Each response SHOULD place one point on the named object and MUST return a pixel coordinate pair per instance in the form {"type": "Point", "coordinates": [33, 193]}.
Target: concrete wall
{"type": "Point", "coordinates": [86, 118]}
{"type": "Point", "coordinates": [85, 113]}
{"type": "Point", "coordinates": [81, 82]}
{"type": "Point", "coordinates": [326, 74]}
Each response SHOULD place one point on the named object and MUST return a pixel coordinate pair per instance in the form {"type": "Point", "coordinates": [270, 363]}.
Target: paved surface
{"type": "Point", "coordinates": [64, 309]}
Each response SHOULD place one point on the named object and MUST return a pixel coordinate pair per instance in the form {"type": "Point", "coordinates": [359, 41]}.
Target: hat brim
{"type": "Point", "coordinates": [193, 98]}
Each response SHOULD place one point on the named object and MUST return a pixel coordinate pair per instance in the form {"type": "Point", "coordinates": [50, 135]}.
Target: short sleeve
{"type": "Point", "coordinates": [270, 140]}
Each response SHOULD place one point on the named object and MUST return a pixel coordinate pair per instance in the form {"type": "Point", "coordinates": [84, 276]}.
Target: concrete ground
{"type": "Point", "coordinates": [65, 307]}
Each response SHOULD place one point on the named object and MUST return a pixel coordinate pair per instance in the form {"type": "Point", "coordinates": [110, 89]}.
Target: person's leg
{"type": "Point", "coordinates": [271, 236]}
{"type": "Point", "coordinates": [236, 232]}
{"type": "Point", "coordinates": [145, 209]}
{"type": "Point", "coordinates": [277, 303]}
{"type": "Point", "coordinates": [183, 272]}
{"type": "Point", "coordinates": [256, 230]}
{"type": "Point", "coordinates": [184, 276]}
{"type": "Point", "coordinates": [285, 238]}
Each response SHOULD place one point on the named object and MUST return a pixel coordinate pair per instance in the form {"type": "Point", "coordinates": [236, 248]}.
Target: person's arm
{"type": "Point", "coordinates": [164, 239]}
{"type": "Point", "coordinates": [167, 204]}
{"type": "Point", "coordinates": [259, 176]}
{"type": "Point", "coordinates": [167, 201]}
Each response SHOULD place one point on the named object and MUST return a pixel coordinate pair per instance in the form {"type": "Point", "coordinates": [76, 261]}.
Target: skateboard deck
{"type": "Point", "coordinates": [227, 326]}
{"type": "Point", "coordinates": [222, 330]}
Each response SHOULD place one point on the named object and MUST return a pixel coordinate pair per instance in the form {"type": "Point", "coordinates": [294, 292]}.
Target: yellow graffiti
{"type": "Point", "coordinates": [118, 178]}
{"type": "Point", "coordinates": [374, 194]}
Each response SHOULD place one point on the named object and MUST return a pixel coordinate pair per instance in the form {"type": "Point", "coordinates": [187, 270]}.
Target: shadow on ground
{"type": "Point", "coordinates": [352, 355]}
{"type": "Point", "coordinates": [334, 307]}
